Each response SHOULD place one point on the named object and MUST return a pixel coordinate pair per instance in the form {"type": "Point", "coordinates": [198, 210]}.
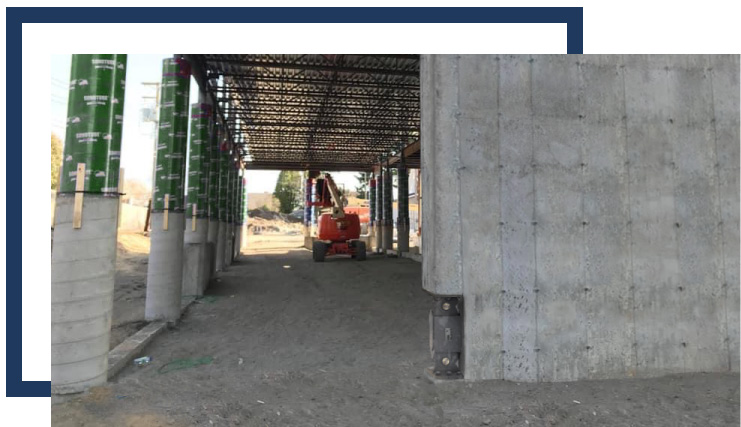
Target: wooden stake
{"type": "Point", "coordinates": [79, 189]}
{"type": "Point", "coordinates": [149, 213]}
{"type": "Point", "coordinates": [193, 221]}
{"type": "Point", "coordinates": [167, 204]}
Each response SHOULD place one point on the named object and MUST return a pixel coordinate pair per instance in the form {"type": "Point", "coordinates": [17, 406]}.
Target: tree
{"type": "Point", "coordinates": [56, 159]}
{"type": "Point", "coordinates": [288, 191]}
{"type": "Point", "coordinates": [362, 187]}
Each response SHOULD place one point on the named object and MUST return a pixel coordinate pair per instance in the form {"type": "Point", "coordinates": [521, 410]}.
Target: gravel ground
{"type": "Point", "coordinates": [280, 340]}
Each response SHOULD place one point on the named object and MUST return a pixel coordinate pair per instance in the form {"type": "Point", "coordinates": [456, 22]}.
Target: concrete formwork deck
{"type": "Point", "coordinates": [295, 342]}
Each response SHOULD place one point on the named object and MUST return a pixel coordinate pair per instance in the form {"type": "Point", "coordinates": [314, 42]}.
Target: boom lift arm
{"type": "Point", "coordinates": [337, 204]}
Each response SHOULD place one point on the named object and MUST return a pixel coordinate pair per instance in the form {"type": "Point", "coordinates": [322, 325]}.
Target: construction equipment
{"type": "Point", "coordinates": [338, 232]}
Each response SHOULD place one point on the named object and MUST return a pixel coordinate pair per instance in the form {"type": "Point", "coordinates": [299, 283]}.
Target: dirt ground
{"type": "Point", "coordinates": [130, 287]}
{"type": "Point", "coordinates": [282, 341]}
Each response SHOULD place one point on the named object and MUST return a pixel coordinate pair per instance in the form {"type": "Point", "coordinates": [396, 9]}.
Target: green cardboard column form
{"type": "Point", "coordinates": [213, 174]}
{"type": "Point", "coordinates": [223, 179]}
{"type": "Point", "coordinates": [244, 198]}
{"type": "Point", "coordinates": [172, 138]}
{"type": "Point", "coordinates": [94, 122]}
{"type": "Point", "coordinates": [230, 192]}
{"type": "Point", "coordinates": [199, 154]}
{"type": "Point", "coordinates": [237, 196]}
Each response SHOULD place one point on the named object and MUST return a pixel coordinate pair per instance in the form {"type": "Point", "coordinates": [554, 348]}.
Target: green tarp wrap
{"type": "Point", "coordinates": [230, 193]}
{"type": "Point", "coordinates": [213, 175]}
{"type": "Point", "coordinates": [402, 218]}
{"type": "Point", "coordinates": [237, 197]}
{"type": "Point", "coordinates": [244, 200]}
{"type": "Point", "coordinates": [223, 178]}
{"type": "Point", "coordinates": [94, 122]}
{"type": "Point", "coordinates": [199, 158]}
{"type": "Point", "coordinates": [172, 137]}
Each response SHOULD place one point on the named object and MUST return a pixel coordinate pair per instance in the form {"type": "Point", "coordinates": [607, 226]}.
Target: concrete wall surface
{"type": "Point", "coordinates": [587, 210]}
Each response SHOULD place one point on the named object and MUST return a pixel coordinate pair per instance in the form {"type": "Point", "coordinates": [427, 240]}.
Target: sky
{"type": "Point", "coordinates": [138, 135]}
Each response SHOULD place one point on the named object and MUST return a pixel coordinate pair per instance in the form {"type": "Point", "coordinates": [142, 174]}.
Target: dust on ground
{"type": "Point", "coordinates": [345, 343]}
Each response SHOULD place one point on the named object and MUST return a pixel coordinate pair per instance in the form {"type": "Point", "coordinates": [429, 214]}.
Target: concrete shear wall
{"type": "Point", "coordinates": [587, 209]}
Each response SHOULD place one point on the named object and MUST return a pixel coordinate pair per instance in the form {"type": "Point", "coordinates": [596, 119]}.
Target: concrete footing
{"type": "Point", "coordinates": [402, 238]}
{"type": "Point", "coordinates": [211, 239]}
{"type": "Point", "coordinates": [220, 246]}
{"type": "Point", "coordinates": [237, 241]}
{"type": "Point", "coordinates": [195, 257]}
{"type": "Point", "coordinates": [229, 245]}
{"type": "Point", "coordinates": [82, 277]}
{"type": "Point", "coordinates": [379, 238]}
{"type": "Point", "coordinates": [388, 237]}
{"type": "Point", "coordinates": [165, 273]}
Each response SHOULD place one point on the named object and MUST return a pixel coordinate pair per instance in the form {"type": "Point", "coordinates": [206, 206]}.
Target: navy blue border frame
{"type": "Point", "coordinates": [15, 17]}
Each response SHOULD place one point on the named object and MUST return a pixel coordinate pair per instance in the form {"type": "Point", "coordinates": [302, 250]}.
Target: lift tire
{"type": "Point", "coordinates": [318, 250]}
{"type": "Point", "coordinates": [360, 251]}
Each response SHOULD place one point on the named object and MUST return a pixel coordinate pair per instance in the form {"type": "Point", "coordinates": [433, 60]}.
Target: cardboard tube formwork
{"type": "Point", "coordinates": [84, 252]}
{"type": "Point", "coordinates": [165, 272]}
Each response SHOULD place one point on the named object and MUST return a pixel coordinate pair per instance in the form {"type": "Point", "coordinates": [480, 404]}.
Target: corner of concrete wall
{"type": "Point", "coordinates": [441, 270]}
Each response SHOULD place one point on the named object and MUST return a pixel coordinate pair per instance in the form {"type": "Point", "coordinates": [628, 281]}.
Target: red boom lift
{"type": "Point", "coordinates": [338, 232]}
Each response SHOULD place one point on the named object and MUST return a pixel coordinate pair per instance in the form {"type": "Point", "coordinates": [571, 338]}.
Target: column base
{"type": "Point", "coordinates": [82, 282]}
{"type": "Point", "coordinates": [402, 239]}
{"type": "Point", "coordinates": [165, 271]}
{"type": "Point", "coordinates": [388, 237]}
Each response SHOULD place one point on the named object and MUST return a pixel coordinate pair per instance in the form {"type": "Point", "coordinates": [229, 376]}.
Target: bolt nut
{"type": "Point", "coordinates": [446, 306]}
{"type": "Point", "coordinates": [446, 361]}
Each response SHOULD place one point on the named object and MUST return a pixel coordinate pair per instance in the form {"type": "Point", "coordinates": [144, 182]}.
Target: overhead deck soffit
{"type": "Point", "coordinates": [330, 112]}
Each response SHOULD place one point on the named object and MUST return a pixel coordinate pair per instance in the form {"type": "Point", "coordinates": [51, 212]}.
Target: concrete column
{"type": "Point", "coordinates": [308, 188]}
{"type": "Point", "coordinates": [221, 237]}
{"type": "Point", "coordinates": [388, 211]}
{"type": "Point", "coordinates": [213, 200]}
{"type": "Point", "coordinates": [372, 205]}
{"type": "Point", "coordinates": [165, 270]}
{"type": "Point", "coordinates": [229, 237]}
{"type": "Point", "coordinates": [211, 239]}
{"type": "Point", "coordinates": [576, 208]}
{"type": "Point", "coordinates": [379, 210]}
{"type": "Point", "coordinates": [238, 218]}
{"type": "Point", "coordinates": [402, 219]}
{"type": "Point", "coordinates": [196, 265]}
{"type": "Point", "coordinates": [83, 256]}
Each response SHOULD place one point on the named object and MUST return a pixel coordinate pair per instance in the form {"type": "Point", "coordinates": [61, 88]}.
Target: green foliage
{"type": "Point", "coordinates": [288, 191]}
{"type": "Point", "coordinates": [56, 160]}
